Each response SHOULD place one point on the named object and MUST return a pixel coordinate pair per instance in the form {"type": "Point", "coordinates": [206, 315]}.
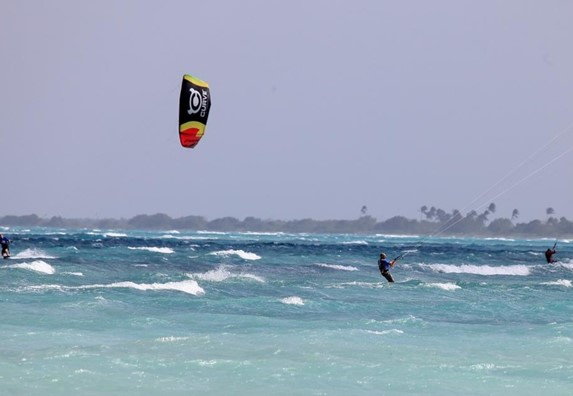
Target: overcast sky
{"type": "Point", "coordinates": [319, 107]}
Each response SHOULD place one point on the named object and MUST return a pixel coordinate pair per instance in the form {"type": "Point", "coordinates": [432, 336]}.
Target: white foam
{"type": "Point", "coordinates": [114, 235]}
{"type": "Point", "coordinates": [73, 273]}
{"type": "Point", "coordinates": [568, 265]}
{"type": "Point", "coordinates": [338, 267]}
{"type": "Point", "coordinates": [37, 266]}
{"type": "Point", "coordinates": [213, 232]}
{"type": "Point", "coordinates": [171, 339]}
{"type": "Point", "coordinates": [33, 254]}
{"type": "Point", "coordinates": [384, 332]}
{"type": "Point", "coordinates": [360, 242]}
{"type": "Point", "coordinates": [163, 250]}
{"type": "Point", "coordinates": [185, 238]}
{"type": "Point", "coordinates": [241, 253]}
{"type": "Point", "coordinates": [186, 286]}
{"type": "Point", "coordinates": [371, 285]}
{"type": "Point", "coordinates": [444, 286]}
{"type": "Point", "coordinates": [261, 233]}
{"type": "Point", "coordinates": [221, 274]}
{"type": "Point", "coordinates": [559, 282]}
{"type": "Point", "coordinates": [396, 236]}
{"type": "Point", "coordinates": [486, 270]}
{"type": "Point", "coordinates": [483, 366]}
{"type": "Point", "coordinates": [294, 300]}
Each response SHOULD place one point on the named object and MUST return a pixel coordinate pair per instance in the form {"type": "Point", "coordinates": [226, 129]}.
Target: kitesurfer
{"type": "Point", "coordinates": [5, 242]}
{"type": "Point", "coordinates": [549, 255]}
{"type": "Point", "coordinates": [384, 265]}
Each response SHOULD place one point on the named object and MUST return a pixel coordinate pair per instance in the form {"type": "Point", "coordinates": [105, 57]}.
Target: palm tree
{"type": "Point", "coordinates": [514, 214]}
{"type": "Point", "coordinates": [549, 211]}
{"type": "Point", "coordinates": [491, 207]}
{"type": "Point", "coordinates": [364, 210]}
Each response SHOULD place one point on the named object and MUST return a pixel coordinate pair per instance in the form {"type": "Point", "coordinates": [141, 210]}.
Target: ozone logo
{"type": "Point", "coordinates": [195, 101]}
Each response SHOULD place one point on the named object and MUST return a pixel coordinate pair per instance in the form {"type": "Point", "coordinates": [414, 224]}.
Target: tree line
{"type": "Point", "coordinates": [433, 221]}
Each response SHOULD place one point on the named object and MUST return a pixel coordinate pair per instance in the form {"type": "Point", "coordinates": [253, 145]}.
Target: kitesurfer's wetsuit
{"type": "Point", "coordinates": [5, 243]}
{"type": "Point", "coordinates": [549, 255]}
{"type": "Point", "coordinates": [384, 266]}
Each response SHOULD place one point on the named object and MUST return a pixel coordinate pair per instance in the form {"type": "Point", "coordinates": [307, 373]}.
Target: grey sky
{"type": "Point", "coordinates": [319, 107]}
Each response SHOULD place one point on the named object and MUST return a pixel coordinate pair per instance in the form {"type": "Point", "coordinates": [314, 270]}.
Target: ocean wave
{"type": "Point", "coordinates": [213, 232]}
{"type": "Point", "coordinates": [114, 235]}
{"type": "Point", "coordinates": [370, 285]}
{"type": "Point", "coordinates": [73, 273]}
{"type": "Point", "coordinates": [486, 270]}
{"type": "Point", "coordinates": [33, 254]}
{"type": "Point", "coordinates": [241, 253]}
{"type": "Point", "coordinates": [171, 339]}
{"type": "Point", "coordinates": [37, 266]}
{"type": "Point", "coordinates": [163, 250]}
{"type": "Point", "coordinates": [185, 237]}
{"type": "Point", "coordinates": [359, 242]}
{"type": "Point", "coordinates": [260, 233]}
{"type": "Point", "coordinates": [406, 320]}
{"type": "Point", "coordinates": [385, 332]}
{"type": "Point", "coordinates": [445, 286]}
{"type": "Point", "coordinates": [338, 267]}
{"type": "Point", "coordinates": [221, 274]}
{"type": "Point", "coordinates": [397, 236]}
{"type": "Point", "coordinates": [568, 265]}
{"type": "Point", "coordinates": [186, 286]}
{"type": "Point", "coordinates": [294, 300]}
{"type": "Point", "coordinates": [559, 282]}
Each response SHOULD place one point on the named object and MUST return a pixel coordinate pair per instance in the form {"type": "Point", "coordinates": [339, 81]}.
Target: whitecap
{"type": "Point", "coordinates": [486, 270]}
{"type": "Point", "coordinates": [371, 285]}
{"type": "Point", "coordinates": [294, 300]}
{"type": "Point", "coordinates": [73, 273]}
{"type": "Point", "coordinates": [483, 366]}
{"type": "Point", "coordinates": [568, 265]}
{"type": "Point", "coordinates": [396, 236]}
{"type": "Point", "coordinates": [385, 332]}
{"type": "Point", "coordinates": [221, 274]}
{"type": "Point", "coordinates": [114, 235]}
{"type": "Point", "coordinates": [559, 282]}
{"type": "Point", "coordinates": [37, 266]}
{"type": "Point", "coordinates": [171, 339]}
{"type": "Point", "coordinates": [164, 250]}
{"type": "Point", "coordinates": [241, 253]}
{"type": "Point", "coordinates": [338, 267]}
{"type": "Point", "coordinates": [186, 286]}
{"type": "Point", "coordinates": [33, 254]}
{"type": "Point", "coordinates": [444, 286]}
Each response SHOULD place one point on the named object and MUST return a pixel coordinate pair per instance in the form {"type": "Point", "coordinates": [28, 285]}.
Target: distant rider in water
{"type": "Point", "coordinates": [549, 255]}
{"type": "Point", "coordinates": [5, 242]}
{"type": "Point", "coordinates": [384, 265]}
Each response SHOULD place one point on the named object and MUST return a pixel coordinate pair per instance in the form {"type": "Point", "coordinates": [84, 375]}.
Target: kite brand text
{"type": "Point", "coordinates": [204, 103]}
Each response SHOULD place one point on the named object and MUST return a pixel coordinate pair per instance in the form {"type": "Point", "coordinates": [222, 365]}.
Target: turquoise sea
{"type": "Point", "coordinates": [114, 312]}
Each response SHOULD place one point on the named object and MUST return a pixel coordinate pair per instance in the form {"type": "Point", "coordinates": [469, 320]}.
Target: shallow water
{"type": "Point", "coordinates": [131, 312]}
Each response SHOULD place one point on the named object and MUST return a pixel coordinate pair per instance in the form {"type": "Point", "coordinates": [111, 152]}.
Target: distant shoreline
{"type": "Point", "coordinates": [468, 225]}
